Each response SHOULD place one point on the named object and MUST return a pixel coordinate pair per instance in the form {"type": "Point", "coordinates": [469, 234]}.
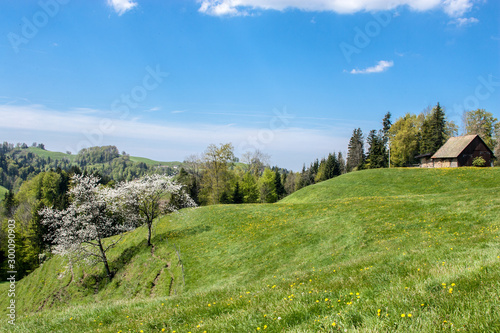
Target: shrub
{"type": "Point", "coordinates": [479, 162]}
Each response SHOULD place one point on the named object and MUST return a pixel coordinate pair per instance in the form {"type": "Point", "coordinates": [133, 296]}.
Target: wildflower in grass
{"type": "Point", "coordinates": [450, 290]}
{"type": "Point", "coordinates": [403, 315]}
{"type": "Point", "coordinates": [409, 315]}
{"type": "Point", "coordinates": [334, 324]}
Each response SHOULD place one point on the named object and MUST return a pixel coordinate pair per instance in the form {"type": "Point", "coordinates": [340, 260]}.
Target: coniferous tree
{"type": "Point", "coordinates": [237, 194]}
{"type": "Point", "coordinates": [355, 154]}
{"type": "Point", "coordinates": [9, 203]}
{"type": "Point", "coordinates": [278, 185]}
{"type": "Point", "coordinates": [433, 131]}
{"type": "Point", "coordinates": [342, 163]}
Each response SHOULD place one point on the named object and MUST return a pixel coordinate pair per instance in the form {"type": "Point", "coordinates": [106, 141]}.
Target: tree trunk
{"type": "Point", "coordinates": [104, 260]}
{"type": "Point", "coordinates": [150, 225]}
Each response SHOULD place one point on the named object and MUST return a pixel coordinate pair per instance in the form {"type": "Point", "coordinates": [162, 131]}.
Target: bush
{"type": "Point", "coordinates": [479, 162]}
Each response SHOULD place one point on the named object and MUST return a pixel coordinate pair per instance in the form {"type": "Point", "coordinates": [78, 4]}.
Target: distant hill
{"type": "Point", "coordinates": [52, 154]}
{"type": "Point", "coordinates": [405, 250]}
{"type": "Point", "coordinates": [71, 157]}
{"type": "Point", "coordinates": [154, 163]}
{"type": "Point", "coordinates": [19, 163]}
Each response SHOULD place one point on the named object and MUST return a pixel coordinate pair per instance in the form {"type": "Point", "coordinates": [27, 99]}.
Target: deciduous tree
{"type": "Point", "coordinates": [84, 227]}
{"type": "Point", "coordinates": [144, 199]}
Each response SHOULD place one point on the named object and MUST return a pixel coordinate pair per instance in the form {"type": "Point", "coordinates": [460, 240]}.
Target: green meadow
{"type": "Point", "coordinates": [406, 250]}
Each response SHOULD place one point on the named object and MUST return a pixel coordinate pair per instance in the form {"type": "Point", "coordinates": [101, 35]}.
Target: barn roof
{"type": "Point", "coordinates": [454, 146]}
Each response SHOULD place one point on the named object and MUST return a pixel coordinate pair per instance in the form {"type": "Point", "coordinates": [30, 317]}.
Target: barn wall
{"type": "Point", "coordinates": [426, 163]}
{"type": "Point", "coordinates": [445, 163]}
{"type": "Point", "coordinates": [476, 148]}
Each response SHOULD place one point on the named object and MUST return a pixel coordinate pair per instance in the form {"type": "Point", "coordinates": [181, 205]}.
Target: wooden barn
{"type": "Point", "coordinates": [457, 152]}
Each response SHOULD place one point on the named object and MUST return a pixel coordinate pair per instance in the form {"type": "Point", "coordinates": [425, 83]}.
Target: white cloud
{"type": "Point", "coordinates": [382, 66]}
{"type": "Point", "coordinates": [122, 6]}
{"type": "Point", "coordinates": [463, 21]}
{"type": "Point", "coordinates": [289, 146]}
{"type": "Point", "coordinates": [455, 8]}
{"type": "Point", "coordinates": [154, 109]}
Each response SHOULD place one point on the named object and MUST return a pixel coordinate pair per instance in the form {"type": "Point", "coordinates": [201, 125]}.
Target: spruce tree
{"type": "Point", "coordinates": [355, 154]}
{"type": "Point", "coordinates": [237, 194]}
{"type": "Point", "coordinates": [433, 131]}
{"type": "Point", "coordinates": [280, 189]}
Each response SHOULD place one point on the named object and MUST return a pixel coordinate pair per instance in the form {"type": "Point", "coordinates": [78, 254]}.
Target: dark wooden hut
{"type": "Point", "coordinates": [459, 151]}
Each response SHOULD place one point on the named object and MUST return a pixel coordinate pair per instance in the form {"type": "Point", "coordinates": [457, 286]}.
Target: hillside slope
{"type": "Point", "coordinates": [357, 252]}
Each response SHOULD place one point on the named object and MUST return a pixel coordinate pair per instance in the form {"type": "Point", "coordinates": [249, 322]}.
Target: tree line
{"type": "Point", "coordinates": [412, 135]}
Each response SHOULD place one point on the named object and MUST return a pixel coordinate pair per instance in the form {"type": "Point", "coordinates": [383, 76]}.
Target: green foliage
{"type": "Point", "coordinates": [483, 124]}
{"type": "Point", "coordinates": [394, 243]}
{"type": "Point", "coordinates": [433, 131]}
{"type": "Point", "coordinates": [377, 152]}
{"type": "Point", "coordinates": [479, 162]}
{"type": "Point", "coordinates": [215, 181]}
{"type": "Point", "coordinates": [249, 188]}
{"type": "Point", "coordinates": [47, 189]}
{"type": "Point", "coordinates": [355, 153]}
{"type": "Point", "coordinates": [94, 155]}
{"type": "Point", "coordinates": [267, 186]}
{"type": "Point", "coordinates": [404, 135]}
{"type": "Point", "coordinates": [237, 197]}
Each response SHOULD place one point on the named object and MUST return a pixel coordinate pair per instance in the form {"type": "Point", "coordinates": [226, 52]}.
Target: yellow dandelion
{"type": "Point", "coordinates": [403, 315]}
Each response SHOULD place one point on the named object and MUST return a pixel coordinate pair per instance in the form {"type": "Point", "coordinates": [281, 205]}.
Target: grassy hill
{"type": "Point", "coordinates": [152, 162]}
{"type": "Point", "coordinates": [52, 154]}
{"type": "Point", "coordinates": [404, 250]}
{"type": "Point", "coordinates": [59, 156]}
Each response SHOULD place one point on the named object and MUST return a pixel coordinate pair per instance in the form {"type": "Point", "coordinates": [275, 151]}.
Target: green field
{"type": "Point", "coordinates": [148, 161]}
{"type": "Point", "coordinates": [59, 156]}
{"type": "Point", "coordinates": [52, 154]}
{"type": "Point", "coordinates": [407, 250]}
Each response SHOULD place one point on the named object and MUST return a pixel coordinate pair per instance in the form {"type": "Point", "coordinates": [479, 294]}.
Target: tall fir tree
{"type": "Point", "coordinates": [355, 153]}
{"type": "Point", "coordinates": [433, 131]}
{"type": "Point", "coordinates": [278, 184]}
{"type": "Point", "coordinates": [237, 194]}
{"type": "Point", "coordinates": [377, 156]}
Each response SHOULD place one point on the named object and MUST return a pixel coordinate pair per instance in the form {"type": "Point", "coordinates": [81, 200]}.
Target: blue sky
{"type": "Point", "coordinates": [163, 79]}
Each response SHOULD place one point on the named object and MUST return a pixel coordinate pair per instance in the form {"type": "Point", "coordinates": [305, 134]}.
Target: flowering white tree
{"type": "Point", "coordinates": [143, 200]}
{"type": "Point", "coordinates": [83, 227]}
